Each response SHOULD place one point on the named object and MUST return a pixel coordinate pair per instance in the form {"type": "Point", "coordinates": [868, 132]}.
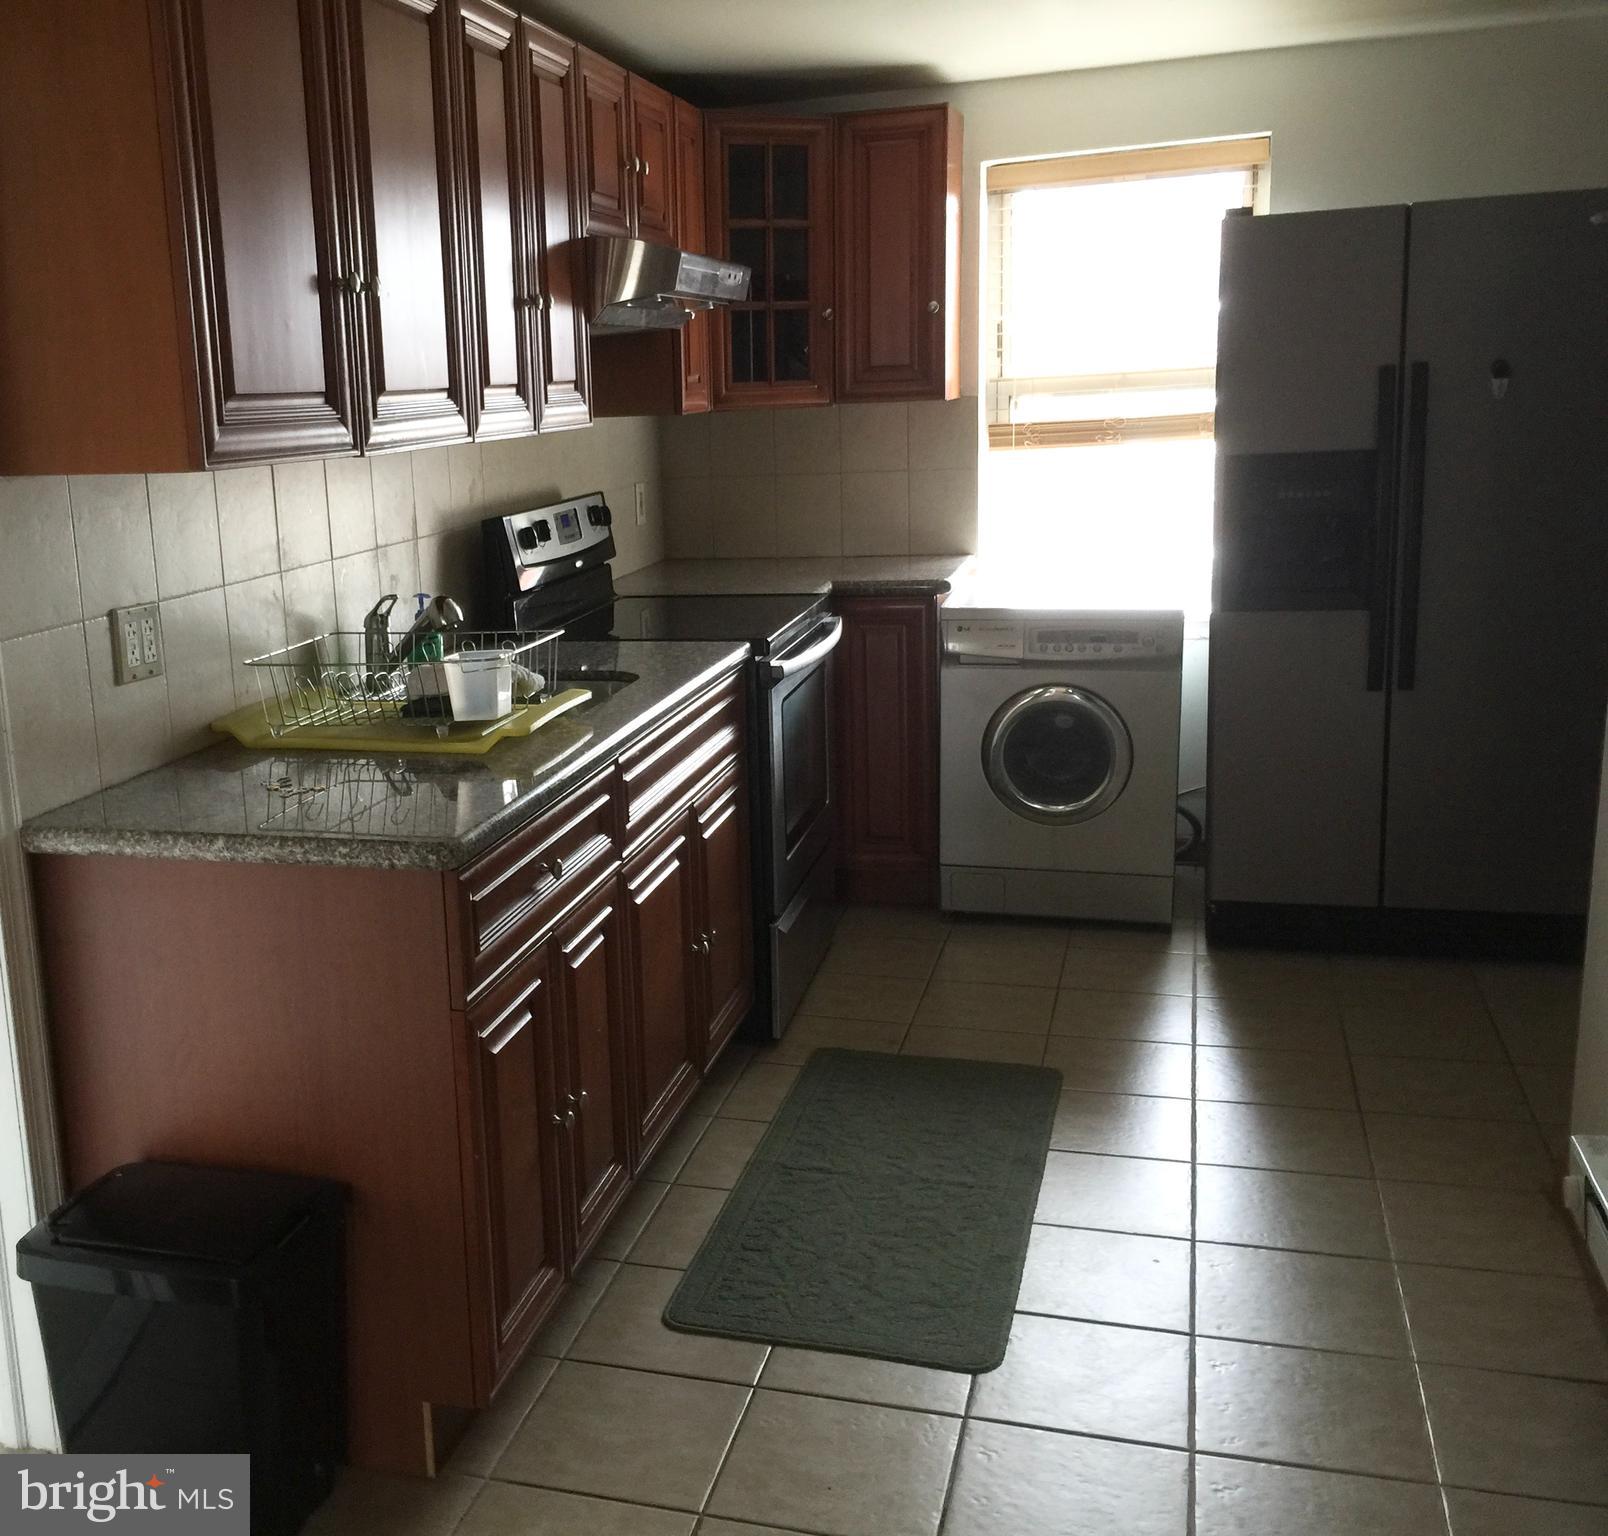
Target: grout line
{"type": "Point", "coordinates": [1401, 1302]}
{"type": "Point", "coordinates": [1192, 1389]}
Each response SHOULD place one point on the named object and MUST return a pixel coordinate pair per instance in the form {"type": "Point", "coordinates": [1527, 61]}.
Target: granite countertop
{"type": "Point", "coordinates": [862, 574]}
{"type": "Point", "coordinates": [384, 811]}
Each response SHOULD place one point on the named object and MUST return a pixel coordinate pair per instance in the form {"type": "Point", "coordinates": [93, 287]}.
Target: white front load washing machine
{"type": "Point", "coordinates": [1059, 765]}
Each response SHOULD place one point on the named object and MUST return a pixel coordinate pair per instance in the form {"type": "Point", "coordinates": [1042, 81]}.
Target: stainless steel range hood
{"type": "Point", "coordinates": [640, 286]}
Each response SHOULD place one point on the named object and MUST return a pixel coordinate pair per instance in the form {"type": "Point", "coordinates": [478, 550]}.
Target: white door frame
{"type": "Point", "coordinates": [30, 1156]}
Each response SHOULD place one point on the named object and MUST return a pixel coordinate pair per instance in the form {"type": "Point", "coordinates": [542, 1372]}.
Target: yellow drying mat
{"type": "Point", "coordinates": [250, 727]}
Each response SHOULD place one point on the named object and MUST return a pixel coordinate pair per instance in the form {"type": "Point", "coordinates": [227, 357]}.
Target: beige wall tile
{"type": "Point", "coordinates": [874, 436]}
{"type": "Point", "coordinates": [39, 573]}
{"type": "Point", "coordinates": [466, 477]}
{"type": "Point", "coordinates": [112, 529]}
{"type": "Point", "coordinates": [689, 526]}
{"type": "Point", "coordinates": [399, 573]}
{"type": "Point", "coordinates": [809, 514]}
{"type": "Point", "coordinates": [876, 513]}
{"type": "Point", "coordinates": [741, 443]}
{"type": "Point", "coordinates": [50, 717]}
{"type": "Point", "coordinates": [432, 490]}
{"type": "Point", "coordinates": [357, 589]}
{"type": "Point", "coordinates": [742, 510]}
{"type": "Point", "coordinates": [195, 639]}
{"type": "Point", "coordinates": [351, 505]}
{"type": "Point", "coordinates": [302, 506]}
{"type": "Point", "coordinates": [943, 511]}
{"type": "Point", "coordinates": [247, 528]}
{"type": "Point", "coordinates": [449, 566]}
{"type": "Point", "coordinates": [807, 440]}
{"type": "Point", "coordinates": [944, 433]}
{"type": "Point", "coordinates": [184, 531]}
{"type": "Point", "coordinates": [391, 480]}
{"type": "Point", "coordinates": [256, 625]}
{"type": "Point", "coordinates": [309, 601]}
{"type": "Point", "coordinates": [684, 444]}
{"type": "Point", "coordinates": [131, 721]}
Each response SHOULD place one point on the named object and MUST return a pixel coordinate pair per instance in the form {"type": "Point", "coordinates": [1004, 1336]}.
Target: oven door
{"type": "Point", "coordinates": [800, 760]}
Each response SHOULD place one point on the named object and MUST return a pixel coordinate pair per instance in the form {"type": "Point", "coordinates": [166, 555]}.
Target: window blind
{"type": "Point", "coordinates": [1102, 275]}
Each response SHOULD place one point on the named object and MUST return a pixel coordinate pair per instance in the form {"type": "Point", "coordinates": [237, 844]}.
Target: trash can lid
{"type": "Point", "coordinates": [226, 1216]}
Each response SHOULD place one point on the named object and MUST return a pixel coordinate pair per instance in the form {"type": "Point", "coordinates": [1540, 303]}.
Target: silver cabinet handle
{"type": "Point", "coordinates": [826, 314]}
{"type": "Point", "coordinates": [555, 867]}
{"type": "Point", "coordinates": [646, 169]}
{"type": "Point", "coordinates": [933, 306]}
{"type": "Point", "coordinates": [354, 283]}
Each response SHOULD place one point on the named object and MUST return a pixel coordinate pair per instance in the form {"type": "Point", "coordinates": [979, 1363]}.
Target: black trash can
{"type": "Point", "coordinates": [201, 1309]}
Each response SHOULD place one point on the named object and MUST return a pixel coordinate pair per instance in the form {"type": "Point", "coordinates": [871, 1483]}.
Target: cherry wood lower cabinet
{"type": "Point", "coordinates": [484, 1057]}
{"type": "Point", "coordinates": [885, 682]}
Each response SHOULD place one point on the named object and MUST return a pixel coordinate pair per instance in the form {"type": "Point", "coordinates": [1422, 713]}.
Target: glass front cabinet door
{"type": "Point", "coordinates": [771, 185]}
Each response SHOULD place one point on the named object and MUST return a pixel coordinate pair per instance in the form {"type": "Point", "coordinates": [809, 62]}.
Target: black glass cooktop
{"type": "Point", "coordinates": [766, 622]}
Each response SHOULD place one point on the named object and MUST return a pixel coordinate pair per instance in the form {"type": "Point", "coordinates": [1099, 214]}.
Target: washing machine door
{"type": "Point", "coordinates": [1057, 754]}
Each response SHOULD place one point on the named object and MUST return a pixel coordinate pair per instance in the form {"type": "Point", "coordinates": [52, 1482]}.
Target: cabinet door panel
{"type": "Point", "coordinates": [770, 193]}
{"type": "Point", "coordinates": [553, 115]}
{"type": "Point", "coordinates": [651, 150]}
{"type": "Point", "coordinates": [605, 137]}
{"type": "Point", "coordinates": [498, 230]}
{"type": "Point", "coordinates": [512, 1032]}
{"type": "Point", "coordinates": [591, 972]}
{"type": "Point", "coordinates": [726, 904]}
{"type": "Point", "coordinates": [659, 911]}
{"type": "Point", "coordinates": [259, 183]}
{"type": "Point", "coordinates": [886, 686]}
{"type": "Point", "coordinates": [1495, 735]}
{"type": "Point", "coordinates": [406, 109]}
{"type": "Point", "coordinates": [692, 232]}
{"type": "Point", "coordinates": [898, 228]}
{"type": "Point", "coordinates": [1296, 760]}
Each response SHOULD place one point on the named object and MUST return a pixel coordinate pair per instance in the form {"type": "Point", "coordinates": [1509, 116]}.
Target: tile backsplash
{"type": "Point", "coordinates": [822, 480]}
{"type": "Point", "coordinates": [241, 561]}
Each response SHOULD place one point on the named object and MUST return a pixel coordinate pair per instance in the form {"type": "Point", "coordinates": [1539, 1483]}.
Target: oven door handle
{"type": "Point", "coordinates": [789, 665]}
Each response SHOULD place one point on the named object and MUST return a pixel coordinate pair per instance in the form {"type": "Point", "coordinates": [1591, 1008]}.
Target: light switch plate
{"type": "Point", "coordinates": [642, 505]}
{"type": "Point", "coordinates": [136, 643]}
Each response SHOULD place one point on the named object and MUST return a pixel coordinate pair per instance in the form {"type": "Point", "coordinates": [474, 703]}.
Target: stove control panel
{"type": "Point", "coordinates": [528, 550]}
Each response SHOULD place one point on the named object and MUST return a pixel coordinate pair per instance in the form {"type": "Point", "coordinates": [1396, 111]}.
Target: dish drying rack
{"type": "Point", "coordinates": [327, 681]}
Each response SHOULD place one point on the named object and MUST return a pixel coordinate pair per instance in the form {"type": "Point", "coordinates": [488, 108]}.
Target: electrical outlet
{"type": "Point", "coordinates": [136, 643]}
{"type": "Point", "coordinates": [642, 505]}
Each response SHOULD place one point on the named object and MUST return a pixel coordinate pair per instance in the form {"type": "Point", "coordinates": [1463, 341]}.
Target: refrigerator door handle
{"type": "Point", "coordinates": [1412, 531]}
{"type": "Point", "coordinates": [1387, 411]}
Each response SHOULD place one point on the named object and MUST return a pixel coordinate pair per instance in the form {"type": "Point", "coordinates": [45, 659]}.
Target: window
{"type": "Point", "coordinates": [1101, 347]}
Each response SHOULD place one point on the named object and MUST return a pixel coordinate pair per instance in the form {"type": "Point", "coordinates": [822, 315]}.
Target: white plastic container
{"type": "Point", "coordinates": [480, 684]}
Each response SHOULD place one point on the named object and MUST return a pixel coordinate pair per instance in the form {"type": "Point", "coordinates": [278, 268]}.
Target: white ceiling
{"type": "Point", "coordinates": [754, 50]}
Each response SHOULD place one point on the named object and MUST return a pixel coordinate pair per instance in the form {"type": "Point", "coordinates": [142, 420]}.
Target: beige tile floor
{"type": "Point", "coordinates": [1297, 1271]}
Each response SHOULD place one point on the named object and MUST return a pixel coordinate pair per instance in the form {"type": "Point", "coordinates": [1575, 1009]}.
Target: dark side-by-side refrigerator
{"type": "Point", "coordinates": [1409, 643]}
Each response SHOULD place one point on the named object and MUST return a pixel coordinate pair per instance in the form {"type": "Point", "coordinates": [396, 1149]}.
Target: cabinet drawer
{"type": "Point", "coordinates": [664, 771]}
{"type": "Point", "coordinates": [507, 898]}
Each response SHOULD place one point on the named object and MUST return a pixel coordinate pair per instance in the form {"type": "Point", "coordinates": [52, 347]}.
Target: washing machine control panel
{"type": "Point", "coordinates": [1107, 642]}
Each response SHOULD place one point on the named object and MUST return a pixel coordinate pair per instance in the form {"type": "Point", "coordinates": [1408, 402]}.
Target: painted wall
{"type": "Point", "coordinates": [243, 561]}
{"type": "Point", "coordinates": [1452, 114]}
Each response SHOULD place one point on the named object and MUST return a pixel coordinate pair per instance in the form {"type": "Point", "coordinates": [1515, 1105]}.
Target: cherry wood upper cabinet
{"type": "Point", "coordinates": [652, 151]}
{"type": "Point", "coordinates": [885, 683]}
{"type": "Point", "coordinates": [898, 254]}
{"type": "Point", "coordinates": [696, 336]}
{"type": "Point", "coordinates": [589, 965]}
{"type": "Point", "coordinates": [405, 112]}
{"type": "Point", "coordinates": [553, 118]}
{"type": "Point", "coordinates": [260, 195]}
{"type": "Point", "coordinates": [516, 1157]}
{"type": "Point", "coordinates": [502, 272]}
{"type": "Point", "coordinates": [605, 136]}
{"type": "Point", "coordinates": [771, 206]}
{"type": "Point", "coordinates": [173, 296]}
